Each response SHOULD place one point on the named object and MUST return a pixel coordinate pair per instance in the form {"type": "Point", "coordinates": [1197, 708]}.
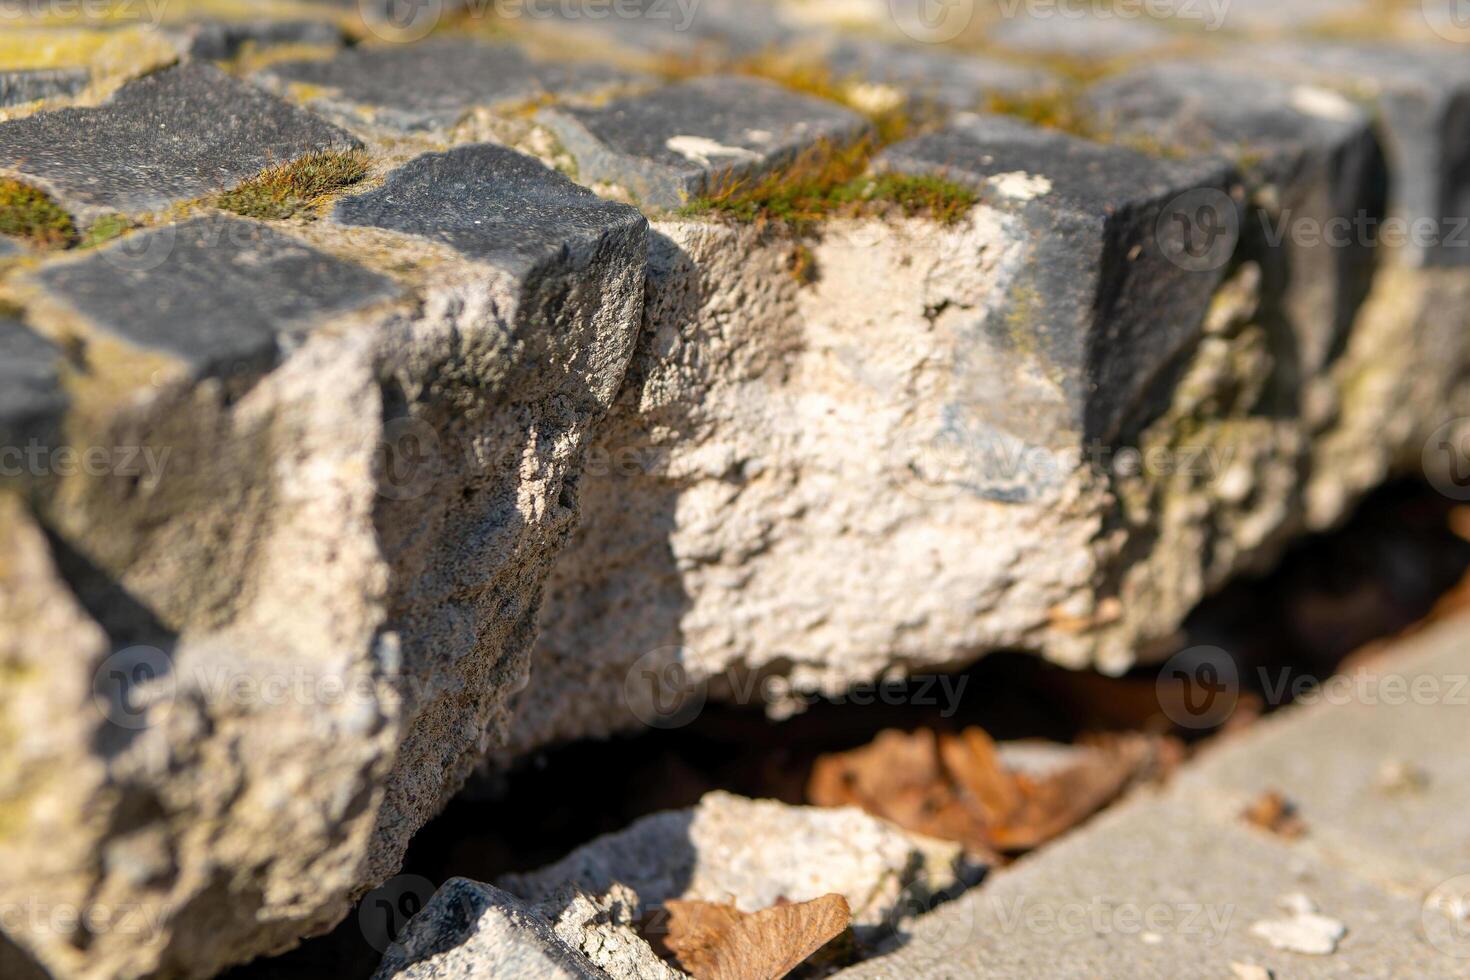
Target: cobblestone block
{"type": "Point", "coordinates": [167, 138]}
{"type": "Point", "coordinates": [676, 143]}
{"type": "Point", "coordinates": [31, 397]}
{"type": "Point", "coordinates": [17, 87]}
{"type": "Point", "coordinates": [219, 295]}
{"type": "Point", "coordinates": [434, 83]}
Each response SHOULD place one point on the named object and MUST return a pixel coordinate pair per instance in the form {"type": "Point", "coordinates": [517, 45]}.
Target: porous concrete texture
{"type": "Point", "coordinates": [474, 930]}
{"type": "Point", "coordinates": [331, 478]}
{"type": "Point", "coordinates": [604, 898]}
{"type": "Point", "coordinates": [281, 616]}
{"type": "Point", "coordinates": [1178, 883]}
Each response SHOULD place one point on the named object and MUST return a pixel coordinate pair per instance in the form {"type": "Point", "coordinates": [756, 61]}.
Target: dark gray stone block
{"type": "Point", "coordinates": [697, 29]}
{"type": "Point", "coordinates": [1112, 278]}
{"type": "Point", "coordinates": [491, 204]}
{"type": "Point", "coordinates": [960, 83]}
{"type": "Point", "coordinates": [674, 144]}
{"type": "Point", "coordinates": [17, 87]}
{"type": "Point", "coordinates": [1312, 160]}
{"type": "Point", "coordinates": [434, 83]}
{"type": "Point", "coordinates": [31, 397]}
{"type": "Point", "coordinates": [222, 40]}
{"type": "Point", "coordinates": [1422, 95]}
{"type": "Point", "coordinates": [169, 137]}
{"type": "Point", "coordinates": [224, 296]}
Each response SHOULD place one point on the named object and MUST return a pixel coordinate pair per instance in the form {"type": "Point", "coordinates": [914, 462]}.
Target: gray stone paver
{"type": "Point", "coordinates": [1080, 908]}
{"type": "Point", "coordinates": [170, 137]}
{"type": "Point", "coordinates": [433, 84]}
{"type": "Point", "coordinates": [678, 142]}
{"type": "Point", "coordinates": [1101, 257]}
{"type": "Point", "coordinates": [45, 83]}
{"type": "Point", "coordinates": [220, 294]}
{"type": "Point", "coordinates": [489, 203]}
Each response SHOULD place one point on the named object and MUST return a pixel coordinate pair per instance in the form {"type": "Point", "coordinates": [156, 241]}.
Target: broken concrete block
{"type": "Point", "coordinates": [164, 139]}
{"type": "Point", "coordinates": [221, 296]}
{"type": "Point", "coordinates": [473, 930]}
{"type": "Point", "coordinates": [756, 852]}
{"type": "Point", "coordinates": [301, 629]}
{"type": "Point", "coordinates": [676, 143]}
{"type": "Point", "coordinates": [1313, 167]}
{"type": "Point", "coordinates": [1114, 282]}
{"type": "Point", "coordinates": [435, 83]}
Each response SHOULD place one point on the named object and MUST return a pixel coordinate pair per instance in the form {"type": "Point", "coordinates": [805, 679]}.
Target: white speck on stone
{"type": "Point", "coordinates": [1305, 931]}
{"type": "Point", "coordinates": [1249, 971]}
{"type": "Point", "coordinates": [1151, 938]}
{"type": "Point", "coordinates": [874, 98]}
{"type": "Point", "coordinates": [1019, 185]}
{"type": "Point", "coordinates": [700, 150]}
{"type": "Point", "coordinates": [759, 135]}
{"type": "Point", "coordinates": [1322, 103]}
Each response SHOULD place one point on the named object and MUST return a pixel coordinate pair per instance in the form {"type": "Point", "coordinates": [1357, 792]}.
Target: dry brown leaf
{"type": "Point", "coordinates": [957, 788]}
{"type": "Point", "coordinates": [719, 942]}
{"type": "Point", "coordinates": [1276, 814]}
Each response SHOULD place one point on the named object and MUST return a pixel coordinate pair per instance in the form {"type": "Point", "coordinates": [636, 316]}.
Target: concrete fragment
{"type": "Point", "coordinates": [170, 137]}
{"type": "Point", "coordinates": [676, 143]}
{"type": "Point", "coordinates": [328, 591]}
{"type": "Point", "coordinates": [222, 296]}
{"type": "Point", "coordinates": [434, 83]}
{"type": "Point", "coordinates": [1304, 930]}
{"type": "Point", "coordinates": [473, 930]}
{"type": "Point", "coordinates": [755, 852]}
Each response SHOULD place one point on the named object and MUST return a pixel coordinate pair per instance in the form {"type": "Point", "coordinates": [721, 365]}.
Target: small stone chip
{"type": "Point", "coordinates": [220, 294]}
{"type": "Point", "coordinates": [170, 137]}
{"type": "Point", "coordinates": [684, 140]}
{"type": "Point", "coordinates": [1304, 931]}
{"type": "Point", "coordinates": [433, 84]}
{"type": "Point", "coordinates": [489, 203]}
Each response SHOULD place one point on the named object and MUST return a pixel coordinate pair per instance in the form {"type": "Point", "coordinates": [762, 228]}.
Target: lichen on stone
{"type": "Point", "coordinates": [28, 213]}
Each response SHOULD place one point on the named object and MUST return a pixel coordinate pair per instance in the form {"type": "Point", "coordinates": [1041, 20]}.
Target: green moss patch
{"type": "Point", "coordinates": [831, 182]}
{"type": "Point", "coordinates": [284, 191]}
{"type": "Point", "coordinates": [104, 230]}
{"type": "Point", "coordinates": [27, 213]}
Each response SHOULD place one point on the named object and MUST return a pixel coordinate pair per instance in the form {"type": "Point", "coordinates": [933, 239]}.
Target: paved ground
{"type": "Point", "coordinates": [1171, 884]}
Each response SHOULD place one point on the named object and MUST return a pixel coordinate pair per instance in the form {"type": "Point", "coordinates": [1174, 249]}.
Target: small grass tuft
{"type": "Point", "coordinates": [105, 229]}
{"type": "Point", "coordinates": [26, 212]}
{"type": "Point", "coordinates": [831, 182]}
{"type": "Point", "coordinates": [1050, 109]}
{"type": "Point", "coordinates": [284, 191]}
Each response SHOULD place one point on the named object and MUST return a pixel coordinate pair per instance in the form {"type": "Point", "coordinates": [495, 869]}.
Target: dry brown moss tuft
{"type": "Point", "coordinates": [284, 191]}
